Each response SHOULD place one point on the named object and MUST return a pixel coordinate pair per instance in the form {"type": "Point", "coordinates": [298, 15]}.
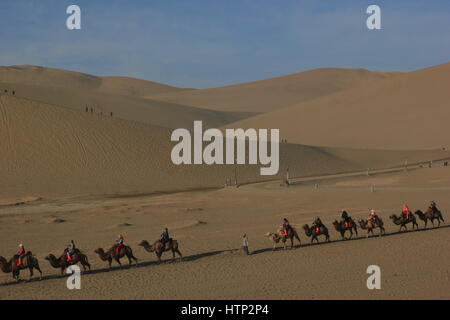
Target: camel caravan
{"type": "Point", "coordinates": [347, 224]}
{"type": "Point", "coordinates": [73, 256]}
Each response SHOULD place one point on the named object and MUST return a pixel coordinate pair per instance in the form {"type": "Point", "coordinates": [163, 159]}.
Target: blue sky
{"type": "Point", "coordinates": [208, 43]}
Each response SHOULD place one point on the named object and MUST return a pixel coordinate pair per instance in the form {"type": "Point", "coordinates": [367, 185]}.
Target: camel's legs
{"type": "Point", "coordinates": [39, 269]}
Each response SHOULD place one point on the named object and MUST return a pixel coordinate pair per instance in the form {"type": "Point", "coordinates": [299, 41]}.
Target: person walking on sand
{"type": "Point", "coordinates": [245, 244]}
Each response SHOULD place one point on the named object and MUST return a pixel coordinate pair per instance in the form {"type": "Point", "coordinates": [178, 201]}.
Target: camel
{"type": "Point", "coordinates": [342, 228]}
{"type": "Point", "coordinates": [29, 262]}
{"type": "Point", "coordinates": [62, 262]}
{"type": "Point", "coordinates": [158, 248]}
{"type": "Point", "coordinates": [430, 215]}
{"type": "Point", "coordinates": [403, 222]}
{"type": "Point", "coordinates": [313, 233]}
{"type": "Point", "coordinates": [111, 254]}
{"type": "Point", "coordinates": [369, 225]}
{"type": "Point", "coordinates": [279, 236]}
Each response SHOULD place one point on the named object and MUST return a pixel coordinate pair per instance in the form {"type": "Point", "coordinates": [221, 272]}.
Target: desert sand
{"type": "Point", "coordinates": [88, 176]}
{"type": "Point", "coordinates": [209, 226]}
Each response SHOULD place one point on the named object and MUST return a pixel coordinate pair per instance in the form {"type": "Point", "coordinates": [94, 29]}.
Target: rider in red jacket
{"type": "Point", "coordinates": [119, 244]}
{"type": "Point", "coordinates": [406, 213]}
{"type": "Point", "coordinates": [21, 253]}
{"type": "Point", "coordinates": [373, 216]}
{"type": "Point", "coordinates": [286, 227]}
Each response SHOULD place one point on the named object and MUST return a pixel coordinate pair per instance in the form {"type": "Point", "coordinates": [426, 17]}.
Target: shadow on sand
{"type": "Point", "coordinates": [124, 267]}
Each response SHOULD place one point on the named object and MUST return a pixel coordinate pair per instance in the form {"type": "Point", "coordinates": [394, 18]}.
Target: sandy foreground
{"type": "Point", "coordinates": [209, 226]}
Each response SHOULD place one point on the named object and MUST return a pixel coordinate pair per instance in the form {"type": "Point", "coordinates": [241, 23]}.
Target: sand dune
{"type": "Point", "coordinates": [272, 94]}
{"type": "Point", "coordinates": [408, 111]}
{"type": "Point", "coordinates": [50, 150]}
{"type": "Point", "coordinates": [119, 95]}
{"type": "Point", "coordinates": [50, 77]}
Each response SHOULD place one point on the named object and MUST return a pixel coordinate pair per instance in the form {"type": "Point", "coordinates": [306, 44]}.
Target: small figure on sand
{"type": "Point", "coordinates": [245, 244]}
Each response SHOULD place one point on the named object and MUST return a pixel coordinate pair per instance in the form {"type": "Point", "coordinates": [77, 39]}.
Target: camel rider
{"type": "Point", "coordinates": [20, 254]}
{"type": "Point", "coordinates": [317, 224]}
{"type": "Point", "coordinates": [373, 216]}
{"type": "Point", "coordinates": [433, 206]}
{"type": "Point", "coordinates": [286, 227]}
{"type": "Point", "coordinates": [345, 218]}
{"type": "Point", "coordinates": [70, 250]}
{"type": "Point", "coordinates": [165, 238]}
{"type": "Point", "coordinates": [406, 213]}
{"type": "Point", "coordinates": [119, 243]}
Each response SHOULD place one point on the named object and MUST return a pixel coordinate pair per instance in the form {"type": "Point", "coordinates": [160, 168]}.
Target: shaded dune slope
{"type": "Point", "coordinates": [52, 151]}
